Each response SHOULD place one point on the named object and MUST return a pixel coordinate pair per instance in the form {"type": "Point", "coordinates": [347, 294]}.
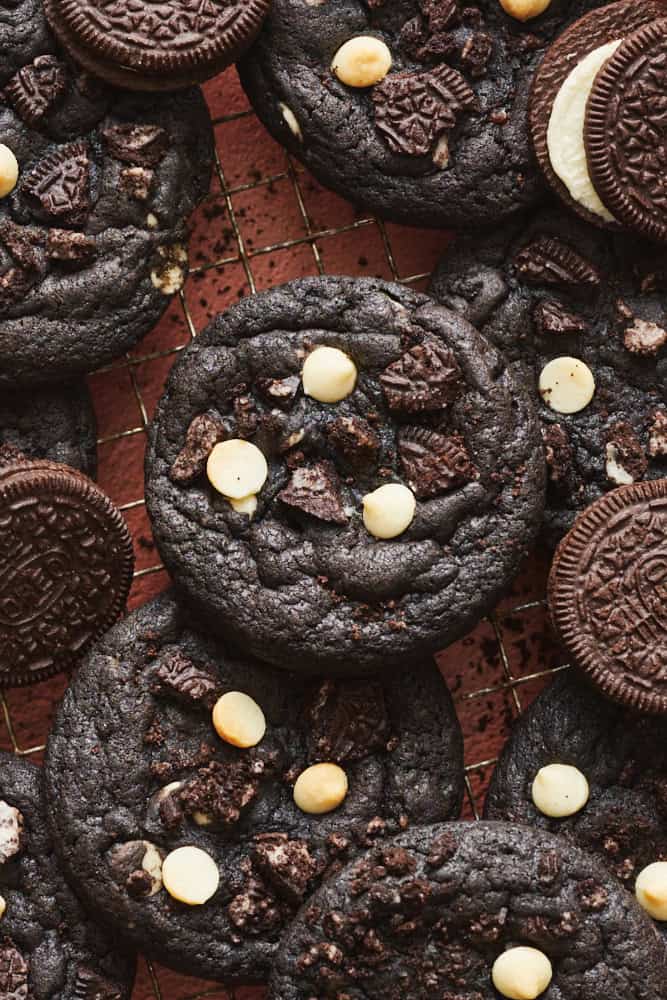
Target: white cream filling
{"type": "Point", "coordinates": [565, 135]}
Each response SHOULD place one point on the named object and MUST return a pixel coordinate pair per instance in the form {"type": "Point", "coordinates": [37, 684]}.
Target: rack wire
{"type": "Point", "coordinates": [496, 670]}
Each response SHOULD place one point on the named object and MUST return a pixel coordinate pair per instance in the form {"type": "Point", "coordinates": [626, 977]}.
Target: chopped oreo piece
{"type": "Point", "coordinates": [36, 88]}
{"type": "Point", "coordinates": [347, 721]}
{"type": "Point", "coordinates": [139, 145]}
{"type": "Point", "coordinates": [222, 791]}
{"type": "Point", "coordinates": [547, 260]}
{"type": "Point", "coordinates": [625, 454]}
{"type": "Point", "coordinates": [427, 377]}
{"type": "Point", "coordinates": [67, 245]}
{"type": "Point", "coordinates": [434, 463]}
{"type": "Point", "coordinates": [286, 864]}
{"type": "Point", "coordinates": [280, 391]}
{"type": "Point", "coordinates": [558, 452]}
{"type": "Point", "coordinates": [60, 184]}
{"type": "Point", "coordinates": [201, 437]}
{"type": "Point", "coordinates": [657, 440]}
{"type": "Point", "coordinates": [25, 244]}
{"type": "Point", "coordinates": [315, 490]}
{"type": "Point", "coordinates": [355, 442]}
{"type": "Point", "coordinates": [179, 676]}
{"type": "Point", "coordinates": [137, 182]}
{"type": "Point", "coordinates": [553, 318]}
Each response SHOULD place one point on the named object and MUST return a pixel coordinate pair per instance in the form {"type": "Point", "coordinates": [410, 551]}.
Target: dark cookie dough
{"type": "Point", "coordinates": [622, 754]}
{"type": "Point", "coordinates": [97, 219]}
{"type": "Point", "coordinates": [426, 916]}
{"type": "Point", "coordinates": [121, 43]}
{"type": "Point", "coordinates": [552, 287]}
{"type": "Point", "coordinates": [457, 90]}
{"type": "Point", "coordinates": [56, 423]}
{"type": "Point", "coordinates": [303, 584]}
{"type": "Point", "coordinates": [50, 949]}
{"type": "Point", "coordinates": [138, 717]}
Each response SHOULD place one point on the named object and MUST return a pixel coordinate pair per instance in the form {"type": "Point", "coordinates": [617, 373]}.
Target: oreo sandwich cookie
{"type": "Point", "coordinates": [49, 948]}
{"type": "Point", "coordinates": [608, 594]}
{"type": "Point", "coordinates": [53, 422]}
{"type": "Point", "coordinates": [146, 45]}
{"type": "Point", "coordinates": [472, 911]}
{"type": "Point", "coordinates": [415, 110]}
{"type": "Point", "coordinates": [343, 476]}
{"type": "Point", "coordinates": [553, 293]}
{"type": "Point", "coordinates": [65, 566]}
{"type": "Point", "coordinates": [219, 793]}
{"type": "Point", "coordinates": [96, 186]}
{"type": "Point", "coordinates": [595, 116]}
{"type": "Point", "coordinates": [594, 773]}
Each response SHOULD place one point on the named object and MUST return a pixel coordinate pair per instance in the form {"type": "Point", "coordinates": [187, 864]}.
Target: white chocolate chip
{"type": "Point", "coordinates": [202, 819]}
{"type": "Point", "coordinates": [169, 276]}
{"type": "Point", "coordinates": [565, 134]}
{"type": "Point", "coordinates": [441, 153]}
{"type": "Point", "coordinates": [389, 510]}
{"type": "Point", "coordinates": [238, 719]}
{"type": "Point", "coordinates": [9, 171]}
{"type": "Point", "coordinates": [320, 788]}
{"type": "Point", "coordinates": [237, 469]}
{"type": "Point", "coordinates": [651, 889]}
{"type": "Point", "coordinates": [190, 875]}
{"type": "Point", "coordinates": [615, 472]}
{"type": "Point", "coordinates": [521, 973]}
{"type": "Point", "coordinates": [524, 10]}
{"type": "Point", "coordinates": [362, 61]}
{"type": "Point", "coordinates": [152, 221]}
{"type": "Point", "coordinates": [246, 505]}
{"type": "Point", "coordinates": [560, 790]}
{"type": "Point", "coordinates": [291, 121]}
{"type": "Point", "coordinates": [567, 385]}
{"type": "Point", "coordinates": [328, 375]}
{"type": "Point", "coordinates": [3, 906]}
{"type": "Point", "coordinates": [152, 864]}
{"type": "Point", "coordinates": [11, 831]}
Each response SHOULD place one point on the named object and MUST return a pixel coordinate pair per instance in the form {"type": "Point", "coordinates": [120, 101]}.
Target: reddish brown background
{"type": "Point", "coordinates": [266, 221]}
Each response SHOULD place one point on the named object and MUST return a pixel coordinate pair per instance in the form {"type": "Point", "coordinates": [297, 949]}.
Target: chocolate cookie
{"type": "Point", "coordinates": [449, 911]}
{"type": "Point", "coordinates": [50, 949]}
{"type": "Point", "coordinates": [137, 775]}
{"type": "Point", "coordinates": [552, 287]}
{"type": "Point", "coordinates": [413, 109]}
{"type": "Point", "coordinates": [608, 594]}
{"type": "Point", "coordinates": [57, 423]}
{"type": "Point", "coordinates": [95, 188]}
{"type": "Point", "coordinates": [156, 46]}
{"type": "Point", "coordinates": [66, 566]}
{"type": "Point", "coordinates": [390, 475]}
{"type": "Point", "coordinates": [595, 122]}
{"type": "Point", "coordinates": [621, 754]}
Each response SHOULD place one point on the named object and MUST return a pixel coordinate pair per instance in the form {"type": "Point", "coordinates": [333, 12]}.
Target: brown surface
{"type": "Point", "coordinates": [265, 222]}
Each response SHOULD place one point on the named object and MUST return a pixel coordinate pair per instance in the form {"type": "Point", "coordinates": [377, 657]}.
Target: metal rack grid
{"type": "Point", "coordinates": [499, 674]}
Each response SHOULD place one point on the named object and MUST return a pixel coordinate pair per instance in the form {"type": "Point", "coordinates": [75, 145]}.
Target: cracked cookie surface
{"type": "Point", "coordinates": [137, 721]}
{"type": "Point", "coordinates": [57, 423]}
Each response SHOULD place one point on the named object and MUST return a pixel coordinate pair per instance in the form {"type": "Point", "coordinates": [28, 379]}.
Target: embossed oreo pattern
{"type": "Point", "coordinates": [626, 131]}
{"type": "Point", "coordinates": [65, 568]}
{"type": "Point", "coordinates": [608, 594]}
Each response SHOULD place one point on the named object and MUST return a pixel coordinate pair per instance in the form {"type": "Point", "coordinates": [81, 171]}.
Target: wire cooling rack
{"type": "Point", "coordinates": [267, 221]}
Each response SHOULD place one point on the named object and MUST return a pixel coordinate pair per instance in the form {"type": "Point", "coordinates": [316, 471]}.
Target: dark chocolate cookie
{"type": "Point", "coordinates": [135, 766]}
{"type": "Point", "coordinates": [57, 423]}
{"type": "Point", "coordinates": [552, 287]}
{"type": "Point", "coordinates": [442, 139]}
{"type": "Point", "coordinates": [622, 755]}
{"type": "Point", "coordinates": [156, 46]}
{"type": "Point", "coordinates": [430, 913]}
{"type": "Point", "coordinates": [433, 435]}
{"type": "Point", "coordinates": [50, 949]}
{"type": "Point", "coordinates": [66, 566]}
{"type": "Point", "coordinates": [92, 233]}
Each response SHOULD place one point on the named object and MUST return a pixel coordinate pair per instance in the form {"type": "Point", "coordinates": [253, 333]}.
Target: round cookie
{"type": "Point", "coordinates": [552, 287]}
{"type": "Point", "coordinates": [442, 139]}
{"type": "Point", "coordinates": [569, 72]}
{"type": "Point", "coordinates": [143, 698]}
{"type": "Point", "coordinates": [623, 756]}
{"type": "Point", "coordinates": [430, 913]}
{"type": "Point", "coordinates": [381, 525]}
{"type": "Point", "coordinates": [121, 44]}
{"type": "Point", "coordinates": [92, 233]}
{"type": "Point", "coordinates": [49, 949]}
{"type": "Point", "coordinates": [57, 423]}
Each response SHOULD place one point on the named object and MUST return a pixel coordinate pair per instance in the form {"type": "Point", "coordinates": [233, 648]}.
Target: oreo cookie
{"type": "Point", "coordinates": [576, 128]}
{"type": "Point", "coordinates": [224, 793]}
{"type": "Point", "coordinates": [145, 45]}
{"type": "Point", "coordinates": [608, 594]}
{"type": "Point", "coordinates": [65, 566]}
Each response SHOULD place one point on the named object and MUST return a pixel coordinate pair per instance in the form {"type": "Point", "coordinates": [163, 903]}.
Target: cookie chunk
{"type": "Point", "coordinates": [412, 109]}
{"type": "Point", "coordinates": [376, 478]}
{"type": "Point", "coordinates": [202, 822]}
{"type": "Point", "coordinates": [471, 911]}
{"type": "Point", "coordinates": [96, 186]}
{"type": "Point", "coordinates": [556, 295]}
{"type": "Point", "coordinates": [57, 423]}
{"type": "Point", "coordinates": [49, 949]}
